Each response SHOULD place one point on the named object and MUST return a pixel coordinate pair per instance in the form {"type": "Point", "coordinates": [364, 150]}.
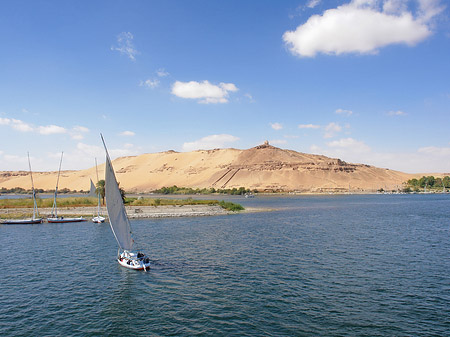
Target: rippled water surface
{"type": "Point", "coordinates": [330, 265]}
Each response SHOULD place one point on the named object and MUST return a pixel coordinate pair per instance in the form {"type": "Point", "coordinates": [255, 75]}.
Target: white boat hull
{"type": "Point", "coordinates": [132, 261]}
{"type": "Point", "coordinates": [98, 219]}
{"type": "Point", "coordinates": [21, 221]}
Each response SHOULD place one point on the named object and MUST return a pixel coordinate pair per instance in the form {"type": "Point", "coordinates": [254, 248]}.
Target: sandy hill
{"type": "Point", "coordinates": [264, 167]}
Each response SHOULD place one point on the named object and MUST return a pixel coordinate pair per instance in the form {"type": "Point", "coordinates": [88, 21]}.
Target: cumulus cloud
{"type": "Point", "coordinates": [362, 27]}
{"type": "Point", "coordinates": [127, 133]}
{"type": "Point", "coordinates": [16, 124]}
{"type": "Point", "coordinates": [51, 129]}
{"type": "Point", "coordinates": [150, 83]}
{"type": "Point", "coordinates": [276, 126]}
{"type": "Point", "coordinates": [349, 144]}
{"type": "Point", "coordinates": [125, 45]}
{"type": "Point", "coordinates": [204, 92]}
{"type": "Point", "coordinates": [344, 112]}
{"type": "Point", "coordinates": [210, 142]}
{"type": "Point", "coordinates": [331, 129]}
{"type": "Point", "coordinates": [76, 132]}
{"type": "Point", "coordinates": [308, 126]}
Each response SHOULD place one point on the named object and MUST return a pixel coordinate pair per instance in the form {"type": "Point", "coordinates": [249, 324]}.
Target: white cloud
{"type": "Point", "coordinates": [127, 133]}
{"type": "Point", "coordinates": [204, 92]}
{"type": "Point", "coordinates": [125, 45]}
{"type": "Point", "coordinates": [362, 27]}
{"type": "Point", "coordinates": [278, 141]}
{"type": "Point", "coordinates": [349, 144]}
{"type": "Point", "coordinates": [77, 132]}
{"type": "Point", "coordinates": [308, 126]}
{"type": "Point", "coordinates": [344, 112]}
{"type": "Point", "coordinates": [396, 113]}
{"type": "Point", "coordinates": [331, 129]}
{"type": "Point", "coordinates": [16, 124]}
{"type": "Point", "coordinates": [161, 72]}
{"type": "Point", "coordinates": [429, 159]}
{"type": "Point", "coordinates": [210, 142]}
{"type": "Point", "coordinates": [312, 3]}
{"type": "Point", "coordinates": [443, 152]}
{"type": "Point", "coordinates": [276, 126]}
{"type": "Point", "coordinates": [150, 83]}
{"type": "Point", "coordinates": [51, 129]}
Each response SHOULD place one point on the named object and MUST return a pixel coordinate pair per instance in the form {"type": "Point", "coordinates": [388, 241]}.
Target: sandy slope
{"type": "Point", "coordinates": [263, 167]}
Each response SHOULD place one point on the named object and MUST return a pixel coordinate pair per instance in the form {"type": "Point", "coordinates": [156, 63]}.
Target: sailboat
{"type": "Point", "coordinates": [54, 217]}
{"type": "Point", "coordinates": [99, 218]}
{"type": "Point", "coordinates": [36, 218]}
{"type": "Point", "coordinates": [118, 220]}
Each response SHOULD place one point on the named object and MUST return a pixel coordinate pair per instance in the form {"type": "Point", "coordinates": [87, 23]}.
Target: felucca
{"type": "Point", "coordinates": [118, 220]}
{"type": "Point", "coordinates": [36, 218]}
{"type": "Point", "coordinates": [99, 218]}
{"type": "Point", "coordinates": [54, 217]}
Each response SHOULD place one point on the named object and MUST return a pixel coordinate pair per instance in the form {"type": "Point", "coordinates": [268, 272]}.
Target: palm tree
{"type": "Point", "coordinates": [101, 190]}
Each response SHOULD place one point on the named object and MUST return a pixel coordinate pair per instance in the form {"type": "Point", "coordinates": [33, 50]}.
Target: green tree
{"type": "Point", "coordinates": [101, 190]}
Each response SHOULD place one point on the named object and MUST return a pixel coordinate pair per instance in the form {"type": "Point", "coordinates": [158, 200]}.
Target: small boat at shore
{"type": "Point", "coordinates": [119, 222]}
{"type": "Point", "coordinates": [98, 218]}
{"type": "Point", "coordinates": [36, 219]}
{"type": "Point", "coordinates": [54, 216]}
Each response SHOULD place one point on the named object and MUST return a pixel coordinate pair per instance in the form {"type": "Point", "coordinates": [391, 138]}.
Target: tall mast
{"type": "Point", "coordinates": [98, 192]}
{"type": "Point", "coordinates": [54, 208]}
{"type": "Point", "coordinates": [35, 209]}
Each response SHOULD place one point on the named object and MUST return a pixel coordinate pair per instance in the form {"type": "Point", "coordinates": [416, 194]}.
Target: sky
{"type": "Point", "coordinates": [366, 81]}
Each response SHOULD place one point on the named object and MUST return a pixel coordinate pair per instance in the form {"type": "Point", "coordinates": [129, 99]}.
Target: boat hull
{"type": "Point", "coordinates": [134, 260]}
{"type": "Point", "coordinates": [98, 219]}
{"type": "Point", "coordinates": [65, 220]}
{"type": "Point", "coordinates": [22, 222]}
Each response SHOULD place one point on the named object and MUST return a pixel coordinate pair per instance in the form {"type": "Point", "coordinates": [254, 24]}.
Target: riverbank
{"type": "Point", "coordinates": [133, 212]}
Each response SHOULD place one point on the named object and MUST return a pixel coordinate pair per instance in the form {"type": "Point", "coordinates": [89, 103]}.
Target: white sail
{"type": "Point", "coordinates": [92, 190]}
{"type": "Point", "coordinates": [116, 210]}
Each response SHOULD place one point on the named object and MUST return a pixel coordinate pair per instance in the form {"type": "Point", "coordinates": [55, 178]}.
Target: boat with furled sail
{"type": "Point", "coordinates": [36, 219]}
{"type": "Point", "coordinates": [98, 218]}
{"type": "Point", "coordinates": [54, 216]}
{"type": "Point", "coordinates": [119, 222]}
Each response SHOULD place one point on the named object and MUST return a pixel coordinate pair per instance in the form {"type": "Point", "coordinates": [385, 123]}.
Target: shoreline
{"type": "Point", "coordinates": [135, 212]}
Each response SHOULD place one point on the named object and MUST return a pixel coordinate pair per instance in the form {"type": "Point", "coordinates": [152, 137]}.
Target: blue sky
{"type": "Point", "coordinates": [366, 81]}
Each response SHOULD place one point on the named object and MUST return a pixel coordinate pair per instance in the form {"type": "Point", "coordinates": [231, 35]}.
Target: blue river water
{"type": "Point", "coordinates": [350, 265]}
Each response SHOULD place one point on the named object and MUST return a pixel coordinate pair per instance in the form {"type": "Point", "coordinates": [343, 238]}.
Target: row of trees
{"type": "Point", "coordinates": [429, 182]}
{"type": "Point", "coordinates": [187, 190]}
{"type": "Point", "coordinates": [20, 190]}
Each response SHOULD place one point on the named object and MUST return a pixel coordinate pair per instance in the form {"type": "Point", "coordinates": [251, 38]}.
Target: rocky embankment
{"type": "Point", "coordinates": [134, 212]}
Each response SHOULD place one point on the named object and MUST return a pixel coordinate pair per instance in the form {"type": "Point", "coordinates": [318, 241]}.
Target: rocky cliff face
{"type": "Point", "coordinates": [264, 167]}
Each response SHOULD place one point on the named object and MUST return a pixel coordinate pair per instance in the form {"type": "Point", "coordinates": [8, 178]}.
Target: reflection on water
{"type": "Point", "coordinates": [319, 265]}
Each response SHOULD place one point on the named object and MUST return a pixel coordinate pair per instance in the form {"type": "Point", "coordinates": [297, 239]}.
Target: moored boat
{"type": "Point", "coordinates": [54, 218]}
{"type": "Point", "coordinates": [36, 219]}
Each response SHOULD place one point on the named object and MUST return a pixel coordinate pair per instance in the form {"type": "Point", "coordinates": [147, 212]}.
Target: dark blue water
{"type": "Point", "coordinates": [331, 265]}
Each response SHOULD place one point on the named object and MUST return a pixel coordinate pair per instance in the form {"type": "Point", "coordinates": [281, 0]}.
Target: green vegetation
{"type": "Point", "coordinates": [430, 183]}
{"type": "Point", "coordinates": [187, 190]}
{"type": "Point", "coordinates": [20, 190]}
{"type": "Point", "coordinates": [47, 203]}
{"type": "Point", "coordinates": [167, 202]}
{"type": "Point", "coordinates": [230, 206]}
